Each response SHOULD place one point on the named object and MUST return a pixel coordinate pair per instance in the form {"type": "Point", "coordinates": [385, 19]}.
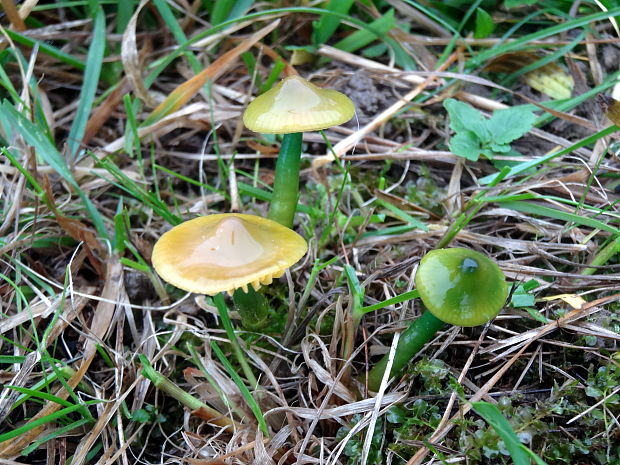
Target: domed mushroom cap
{"type": "Point", "coordinates": [224, 252]}
{"type": "Point", "coordinates": [460, 286]}
{"type": "Point", "coordinates": [295, 105]}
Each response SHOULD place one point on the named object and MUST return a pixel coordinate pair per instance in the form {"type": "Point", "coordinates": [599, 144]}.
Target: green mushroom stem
{"type": "Point", "coordinates": [410, 343]}
{"type": "Point", "coordinates": [286, 184]}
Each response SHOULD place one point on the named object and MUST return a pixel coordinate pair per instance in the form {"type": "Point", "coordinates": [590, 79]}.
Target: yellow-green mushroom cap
{"type": "Point", "coordinates": [296, 105]}
{"type": "Point", "coordinates": [224, 252]}
{"type": "Point", "coordinates": [460, 286]}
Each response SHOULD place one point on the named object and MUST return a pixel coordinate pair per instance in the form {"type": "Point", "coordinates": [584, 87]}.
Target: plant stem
{"type": "Point", "coordinates": [164, 384]}
{"type": "Point", "coordinates": [234, 342]}
{"type": "Point", "coordinates": [286, 184]}
{"type": "Point", "coordinates": [411, 341]}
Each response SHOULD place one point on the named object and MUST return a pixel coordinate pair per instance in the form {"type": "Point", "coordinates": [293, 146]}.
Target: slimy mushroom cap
{"type": "Point", "coordinates": [224, 252]}
{"type": "Point", "coordinates": [460, 286]}
{"type": "Point", "coordinates": [296, 105]}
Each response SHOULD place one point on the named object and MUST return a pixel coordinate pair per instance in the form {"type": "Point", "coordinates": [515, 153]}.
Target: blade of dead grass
{"type": "Point", "coordinates": [131, 59]}
{"type": "Point", "coordinates": [11, 12]}
{"type": "Point", "coordinates": [261, 15]}
{"type": "Point", "coordinates": [181, 95]}
{"type": "Point", "coordinates": [101, 114]}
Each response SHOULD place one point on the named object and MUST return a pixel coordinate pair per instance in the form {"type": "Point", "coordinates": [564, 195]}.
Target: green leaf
{"type": "Point", "coordinates": [220, 11]}
{"type": "Point", "coordinates": [493, 417]}
{"type": "Point", "coordinates": [464, 117]}
{"type": "Point", "coordinates": [239, 9]}
{"type": "Point", "coordinates": [538, 316]}
{"type": "Point", "coordinates": [500, 148]}
{"type": "Point", "coordinates": [517, 3]}
{"type": "Point", "coordinates": [325, 27]}
{"type": "Point", "coordinates": [466, 144]}
{"type": "Point", "coordinates": [363, 37]}
{"type": "Point", "coordinates": [510, 124]}
{"type": "Point", "coordinates": [90, 84]}
{"type": "Point", "coordinates": [254, 407]}
{"type": "Point", "coordinates": [45, 48]}
{"type": "Point", "coordinates": [140, 416]}
{"type": "Point", "coordinates": [522, 300]}
{"type": "Point", "coordinates": [484, 24]}
{"type": "Point", "coordinates": [526, 165]}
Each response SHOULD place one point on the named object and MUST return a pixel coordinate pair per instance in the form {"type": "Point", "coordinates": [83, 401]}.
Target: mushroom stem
{"type": "Point", "coordinates": [252, 307]}
{"type": "Point", "coordinates": [411, 341]}
{"type": "Point", "coordinates": [286, 184]}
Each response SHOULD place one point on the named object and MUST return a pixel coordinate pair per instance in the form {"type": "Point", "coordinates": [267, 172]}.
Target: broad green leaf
{"type": "Point", "coordinates": [510, 124]}
{"type": "Point", "coordinates": [501, 148]}
{"type": "Point", "coordinates": [464, 117]}
{"type": "Point", "coordinates": [466, 144]}
{"type": "Point", "coordinates": [522, 299]}
{"type": "Point", "coordinates": [484, 24]}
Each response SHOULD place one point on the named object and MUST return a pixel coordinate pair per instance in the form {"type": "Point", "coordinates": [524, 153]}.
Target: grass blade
{"type": "Point", "coordinates": [358, 39]}
{"type": "Point", "coordinates": [491, 414]}
{"type": "Point", "coordinates": [46, 150]}
{"type": "Point", "coordinates": [325, 27]}
{"type": "Point", "coordinates": [258, 414]}
{"type": "Point", "coordinates": [548, 212]}
{"type": "Point", "coordinates": [90, 84]}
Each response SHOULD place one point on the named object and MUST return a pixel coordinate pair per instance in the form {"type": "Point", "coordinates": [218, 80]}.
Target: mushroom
{"type": "Point", "coordinates": [225, 252]}
{"type": "Point", "coordinates": [290, 108]}
{"type": "Point", "coordinates": [457, 286]}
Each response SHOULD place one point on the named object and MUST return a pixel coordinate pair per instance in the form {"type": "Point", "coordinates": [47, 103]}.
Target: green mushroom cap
{"type": "Point", "coordinates": [460, 286]}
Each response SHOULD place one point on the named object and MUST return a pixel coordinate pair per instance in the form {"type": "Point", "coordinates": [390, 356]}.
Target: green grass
{"type": "Point", "coordinates": [69, 211]}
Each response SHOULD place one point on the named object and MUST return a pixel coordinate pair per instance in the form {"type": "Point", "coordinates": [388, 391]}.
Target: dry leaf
{"type": "Point", "coordinates": [550, 79]}
{"type": "Point", "coordinates": [181, 95]}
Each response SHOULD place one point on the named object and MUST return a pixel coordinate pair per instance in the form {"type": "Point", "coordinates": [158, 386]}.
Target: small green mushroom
{"type": "Point", "coordinates": [457, 286]}
{"type": "Point", "coordinates": [461, 287]}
